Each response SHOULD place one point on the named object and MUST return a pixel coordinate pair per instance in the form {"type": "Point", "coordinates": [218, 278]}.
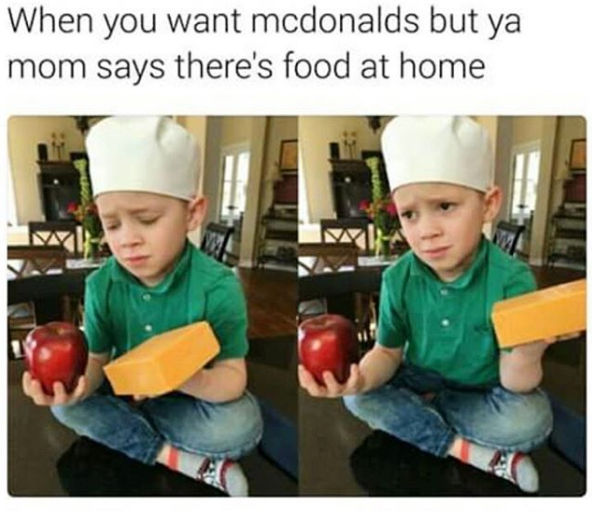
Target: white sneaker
{"type": "Point", "coordinates": [505, 465]}
{"type": "Point", "coordinates": [225, 475]}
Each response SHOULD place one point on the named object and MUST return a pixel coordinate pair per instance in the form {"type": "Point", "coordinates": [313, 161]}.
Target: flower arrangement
{"type": "Point", "coordinates": [86, 213]}
{"type": "Point", "coordinates": [382, 211]}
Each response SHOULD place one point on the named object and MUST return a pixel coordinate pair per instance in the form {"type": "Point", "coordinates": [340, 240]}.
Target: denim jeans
{"type": "Point", "coordinates": [490, 416]}
{"type": "Point", "coordinates": [139, 430]}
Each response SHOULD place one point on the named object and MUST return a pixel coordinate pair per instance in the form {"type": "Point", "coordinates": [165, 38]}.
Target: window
{"type": "Point", "coordinates": [235, 176]}
{"type": "Point", "coordinates": [525, 176]}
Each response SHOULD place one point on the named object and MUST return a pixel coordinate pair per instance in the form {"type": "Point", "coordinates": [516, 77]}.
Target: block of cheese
{"type": "Point", "coordinates": [163, 362]}
{"type": "Point", "coordinates": [542, 314]}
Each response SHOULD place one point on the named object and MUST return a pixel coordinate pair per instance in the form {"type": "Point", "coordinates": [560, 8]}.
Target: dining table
{"type": "Point", "coordinates": [306, 264]}
{"type": "Point", "coordinates": [46, 291]}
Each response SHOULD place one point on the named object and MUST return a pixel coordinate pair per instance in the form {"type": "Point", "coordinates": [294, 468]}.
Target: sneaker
{"type": "Point", "coordinates": [225, 475]}
{"type": "Point", "coordinates": [505, 465]}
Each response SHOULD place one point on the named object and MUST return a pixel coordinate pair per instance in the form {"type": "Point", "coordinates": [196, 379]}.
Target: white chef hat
{"type": "Point", "coordinates": [149, 154]}
{"type": "Point", "coordinates": [450, 149]}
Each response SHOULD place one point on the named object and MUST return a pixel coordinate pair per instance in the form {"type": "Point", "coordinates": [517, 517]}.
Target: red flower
{"type": "Point", "coordinates": [72, 207]}
{"type": "Point", "coordinates": [364, 205]}
{"type": "Point", "coordinates": [391, 208]}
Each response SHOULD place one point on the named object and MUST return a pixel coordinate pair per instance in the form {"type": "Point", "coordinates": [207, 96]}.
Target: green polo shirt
{"type": "Point", "coordinates": [120, 312]}
{"type": "Point", "coordinates": [446, 326]}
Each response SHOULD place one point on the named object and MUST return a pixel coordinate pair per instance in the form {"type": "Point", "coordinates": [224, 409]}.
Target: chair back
{"type": "Point", "coordinates": [507, 235]}
{"type": "Point", "coordinates": [215, 240]}
{"type": "Point", "coordinates": [315, 258]}
{"type": "Point", "coordinates": [38, 300]}
{"type": "Point", "coordinates": [62, 233]}
{"type": "Point", "coordinates": [344, 230]}
{"type": "Point", "coordinates": [32, 260]}
{"type": "Point", "coordinates": [352, 294]}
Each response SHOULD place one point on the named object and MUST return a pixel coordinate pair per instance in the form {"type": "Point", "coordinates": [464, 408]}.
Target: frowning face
{"type": "Point", "coordinates": [146, 232]}
{"type": "Point", "coordinates": [443, 223]}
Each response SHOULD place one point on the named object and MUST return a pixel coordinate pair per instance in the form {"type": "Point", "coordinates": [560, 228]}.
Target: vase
{"type": "Point", "coordinates": [92, 248]}
{"type": "Point", "coordinates": [382, 247]}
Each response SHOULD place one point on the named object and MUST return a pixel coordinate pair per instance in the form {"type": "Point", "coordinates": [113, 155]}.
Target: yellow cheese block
{"type": "Point", "coordinates": [163, 362]}
{"type": "Point", "coordinates": [542, 314]}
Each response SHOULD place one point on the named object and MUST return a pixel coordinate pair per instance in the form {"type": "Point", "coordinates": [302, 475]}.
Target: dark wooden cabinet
{"type": "Point", "coordinates": [59, 185]}
{"type": "Point", "coordinates": [351, 183]}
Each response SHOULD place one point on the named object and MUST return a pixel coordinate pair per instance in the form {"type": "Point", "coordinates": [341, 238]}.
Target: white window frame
{"type": "Point", "coordinates": [234, 150]}
{"type": "Point", "coordinates": [519, 149]}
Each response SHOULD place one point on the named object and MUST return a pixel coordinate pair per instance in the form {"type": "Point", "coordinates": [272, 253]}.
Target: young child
{"type": "Point", "coordinates": [144, 173]}
{"type": "Point", "coordinates": [435, 378]}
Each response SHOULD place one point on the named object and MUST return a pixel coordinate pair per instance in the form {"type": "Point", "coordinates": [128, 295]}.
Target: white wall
{"type": "Point", "coordinates": [24, 133]}
{"type": "Point", "coordinates": [315, 134]}
{"type": "Point", "coordinates": [197, 126]}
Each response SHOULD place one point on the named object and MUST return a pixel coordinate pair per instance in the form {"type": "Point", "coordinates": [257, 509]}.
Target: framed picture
{"type": "Point", "coordinates": [577, 155]}
{"type": "Point", "coordinates": [289, 155]}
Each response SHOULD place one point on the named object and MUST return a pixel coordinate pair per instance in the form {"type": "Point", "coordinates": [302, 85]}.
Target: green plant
{"type": "Point", "coordinates": [381, 210]}
{"type": "Point", "coordinates": [86, 212]}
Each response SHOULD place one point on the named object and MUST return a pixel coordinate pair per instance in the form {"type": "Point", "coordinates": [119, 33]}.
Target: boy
{"type": "Point", "coordinates": [435, 377]}
{"type": "Point", "coordinates": [144, 174]}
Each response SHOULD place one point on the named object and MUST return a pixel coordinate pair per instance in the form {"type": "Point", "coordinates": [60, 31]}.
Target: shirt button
{"type": "Point", "coordinates": [444, 291]}
{"type": "Point", "coordinates": [148, 327]}
{"type": "Point", "coordinates": [445, 322]}
{"type": "Point", "coordinates": [146, 297]}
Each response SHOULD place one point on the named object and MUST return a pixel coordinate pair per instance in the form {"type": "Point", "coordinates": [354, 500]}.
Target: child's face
{"type": "Point", "coordinates": [146, 232]}
{"type": "Point", "coordinates": [443, 223]}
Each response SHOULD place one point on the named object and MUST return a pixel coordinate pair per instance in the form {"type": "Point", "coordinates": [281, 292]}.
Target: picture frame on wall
{"type": "Point", "coordinates": [289, 155]}
{"type": "Point", "coordinates": [577, 155]}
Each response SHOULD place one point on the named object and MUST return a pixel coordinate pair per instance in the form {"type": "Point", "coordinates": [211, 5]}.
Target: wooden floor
{"type": "Point", "coordinates": [271, 301]}
{"type": "Point", "coordinates": [272, 297]}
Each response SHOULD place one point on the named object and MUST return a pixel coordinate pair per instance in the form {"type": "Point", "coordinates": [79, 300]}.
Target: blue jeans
{"type": "Point", "coordinates": [490, 416]}
{"type": "Point", "coordinates": [139, 430]}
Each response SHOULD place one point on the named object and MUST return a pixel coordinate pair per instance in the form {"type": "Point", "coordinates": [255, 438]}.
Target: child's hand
{"type": "Point", "coordinates": [536, 349]}
{"type": "Point", "coordinates": [33, 389]}
{"type": "Point", "coordinates": [332, 388]}
{"type": "Point", "coordinates": [139, 398]}
{"type": "Point", "coordinates": [565, 337]}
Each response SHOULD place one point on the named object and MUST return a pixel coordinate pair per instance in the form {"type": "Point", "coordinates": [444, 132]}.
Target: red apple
{"type": "Point", "coordinates": [56, 352]}
{"type": "Point", "coordinates": [328, 343]}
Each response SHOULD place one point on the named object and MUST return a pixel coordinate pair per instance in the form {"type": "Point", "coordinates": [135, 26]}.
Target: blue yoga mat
{"type": "Point", "coordinates": [569, 434]}
{"type": "Point", "coordinates": [280, 439]}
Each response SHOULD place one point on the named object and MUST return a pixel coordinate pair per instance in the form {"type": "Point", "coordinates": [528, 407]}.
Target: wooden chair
{"type": "Point", "coordinates": [321, 257]}
{"type": "Point", "coordinates": [50, 297]}
{"type": "Point", "coordinates": [35, 262]}
{"type": "Point", "coordinates": [316, 258]}
{"type": "Point", "coordinates": [28, 260]}
{"type": "Point", "coordinates": [507, 235]}
{"type": "Point", "coordinates": [64, 233]}
{"type": "Point", "coordinates": [346, 230]}
{"type": "Point", "coordinates": [215, 240]}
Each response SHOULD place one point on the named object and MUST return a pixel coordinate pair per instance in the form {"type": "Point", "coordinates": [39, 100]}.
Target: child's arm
{"type": "Point", "coordinates": [376, 367]}
{"type": "Point", "coordinates": [521, 369]}
{"type": "Point", "coordinates": [225, 381]}
{"type": "Point", "coordinates": [87, 384]}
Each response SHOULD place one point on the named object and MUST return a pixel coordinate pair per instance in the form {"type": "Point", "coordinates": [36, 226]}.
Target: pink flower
{"type": "Point", "coordinates": [391, 208]}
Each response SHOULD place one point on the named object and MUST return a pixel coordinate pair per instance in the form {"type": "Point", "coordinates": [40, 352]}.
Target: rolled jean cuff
{"type": "Point", "coordinates": [153, 450]}
{"type": "Point", "coordinates": [443, 448]}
